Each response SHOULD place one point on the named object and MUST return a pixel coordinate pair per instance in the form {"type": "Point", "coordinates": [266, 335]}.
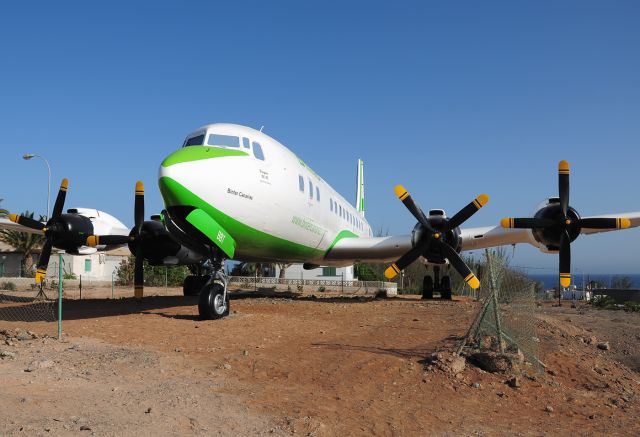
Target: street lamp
{"type": "Point", "coordinates": [28, 156]}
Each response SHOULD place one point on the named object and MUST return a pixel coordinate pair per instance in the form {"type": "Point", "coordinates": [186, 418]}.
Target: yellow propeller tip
{"type": "Point", "coordinates": [565, 282]}
{"type": "Point", "coordinates": [563, 165]}
{"type": "Point", "coordinates": [506, 223]}
{"type": "Point", "coordinates": [92, 240]}
{"type": "Point", "coordinates": [473, 281]}
{"type": "Point", "coordinates": [140, 186]}
{"type": "Point", "coordinates": [482, 199]}
{"type": "Point", "coordinates": [64, 184]}
{"type": "Point", "coordinates": [400, 191]}
{"type": "Point", "coordinates": [390, 273]}
{"type": "Point", "coordinates": [625, 223]}
{"type": "Point", "coordinates": [40, 274]}
{"type": "Point", "coordinates": [14, 217]}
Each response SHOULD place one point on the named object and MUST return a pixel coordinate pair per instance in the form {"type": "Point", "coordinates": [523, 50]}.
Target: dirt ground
{"type": "Point", "coordinates": [309, 366]}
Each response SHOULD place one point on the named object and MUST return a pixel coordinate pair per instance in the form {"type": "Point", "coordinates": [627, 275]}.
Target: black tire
{"type": "Point", "coordinates": [193, 284]}
{"type": "Point", "coordinates": [445, 286]}
{"type": "Point", "coordinates": [427, 287]}
{"type": "Point", "coordinates": [210, 305]}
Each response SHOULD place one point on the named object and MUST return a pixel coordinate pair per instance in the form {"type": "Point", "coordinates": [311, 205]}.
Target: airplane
{"type": "Point", "coordinates": [233, 192]}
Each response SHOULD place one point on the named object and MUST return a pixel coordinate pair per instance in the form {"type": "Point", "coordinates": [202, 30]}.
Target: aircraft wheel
{"type": "Point", "coordinates": [212, 303]}
{"type": "Point", "coordinates": [445, 285]}
{"type": "Point", "coordinates": [427, 287]}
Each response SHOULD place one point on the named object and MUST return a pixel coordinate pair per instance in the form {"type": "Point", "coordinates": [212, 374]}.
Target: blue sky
{"type": "Point", "coordinates": [449, 98]}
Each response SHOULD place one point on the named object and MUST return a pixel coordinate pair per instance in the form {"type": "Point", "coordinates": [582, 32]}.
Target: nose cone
{"type": "Point", "coordinates": [186, 171]}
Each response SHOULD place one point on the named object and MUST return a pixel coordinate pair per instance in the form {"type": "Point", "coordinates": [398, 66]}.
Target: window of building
{"type": "Point", "coordinates": [301, 183]}
{"type": "Point", "coordinates": [87, 265]}
{"type": "Point", "coordinates": [194, 141]}
{"type": "Point", "coordinates": [223, 140]}
{"type": "Point", "coordinates": [310, 189]}
{"type": "Point", "coordinates": [245, 143]}
{"type": "Point", "coordinates": [257, 151]}
{"type": "Point", "coordinates": [329, 271]}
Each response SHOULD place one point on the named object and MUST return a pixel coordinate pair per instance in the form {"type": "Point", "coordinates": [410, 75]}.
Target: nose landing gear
{"type": "Point", "coordinates": [436, 284]}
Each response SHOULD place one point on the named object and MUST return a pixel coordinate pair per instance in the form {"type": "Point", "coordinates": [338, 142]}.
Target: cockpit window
{"type": "Point", "coordinates": [194, 141]}
{"type": "Point", "coordinates": [223, 140]}
{"type": "Point", "coordinates": [257, 151]}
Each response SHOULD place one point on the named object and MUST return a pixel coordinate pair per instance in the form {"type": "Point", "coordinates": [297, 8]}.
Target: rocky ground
{"type": "Point", "coordinates": [311, 367]}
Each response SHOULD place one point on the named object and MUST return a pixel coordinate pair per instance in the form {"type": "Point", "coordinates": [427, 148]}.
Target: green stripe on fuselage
{"type": "Point", "coordinates": [250, 242]}
{"type": "Point", "coordinates": [197, 153]}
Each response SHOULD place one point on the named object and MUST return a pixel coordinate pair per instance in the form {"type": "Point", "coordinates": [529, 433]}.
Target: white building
{"type": "Point", "coordinates": [295, 271]}
{"type": "Point", "coordinates": [98, 266]}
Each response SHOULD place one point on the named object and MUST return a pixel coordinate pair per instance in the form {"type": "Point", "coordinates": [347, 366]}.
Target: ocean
{"type": "Point", "coordinates": [551, 281]}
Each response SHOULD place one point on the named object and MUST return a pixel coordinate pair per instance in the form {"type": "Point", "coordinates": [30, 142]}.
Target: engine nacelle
{"type": "Point", "coordinates": [548, 239]}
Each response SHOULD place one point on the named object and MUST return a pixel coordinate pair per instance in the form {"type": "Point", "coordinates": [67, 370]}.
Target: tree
{"type": "Point", "coordinates": [25, 243]}
{"type": "Point", "coordinates": [283, 269]}
{"type": "Point", "coordinates": [154, 276]}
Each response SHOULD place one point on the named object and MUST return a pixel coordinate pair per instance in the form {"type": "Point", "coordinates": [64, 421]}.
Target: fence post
{"type": "Point", "coordinates": [80, 287]}
{"type": "Point", "coordinates": [59, 296]}
{"type": "Point", "coordinates": [166, 280]}
{"type": "Point", "coordinates": [112, 285]}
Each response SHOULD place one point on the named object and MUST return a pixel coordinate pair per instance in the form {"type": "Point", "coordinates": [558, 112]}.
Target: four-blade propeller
{"type": "Point", "coordinates": [432, 238]}
{"type": "Point", "coordinates": [131, 239]}
{"type": "Point", "coordinates": [561, 224]}
{"type": "Point", "coordinates": [53, 230]}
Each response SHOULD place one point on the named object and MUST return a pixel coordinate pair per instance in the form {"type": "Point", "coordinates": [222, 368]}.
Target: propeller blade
{"type": "Point", "coordinates": [26, 221]}
{"type": "Point", "coordinates": [565, 259]}
{"type": "Point", "coordinates": [138, 274]}
{"type": "Point", "coordinates": [62, 194]}
{"type": "Point", "coordinates": [526, 223]}
{"type": "Point", "coordinates": [563, 185]}
{"type": "Point", "coordinates": [139, 207]}
{"type": "Point", "coordinates": [460, 266]}
{"type": "Point", "coordinates": [404, 261]}
{"type": "Point", "coordinates": [604, 223]}
{"type": "Point", "coordinates": [413, 208]}
{"type": "Point", "coordinates": [107, 240]}
{"type": "Point", "coordinates": [43, 262]}
{"type": "Point", "coordinates": [465, 213]}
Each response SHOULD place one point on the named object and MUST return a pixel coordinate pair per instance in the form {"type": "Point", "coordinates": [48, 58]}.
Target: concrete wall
{"type": "Point", "coordinates": [295, 271]}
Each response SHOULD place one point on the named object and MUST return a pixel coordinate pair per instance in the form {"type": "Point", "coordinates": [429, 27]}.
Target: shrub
{"type": "Point", "coordinates": [8, 285]}
{"type": "Point", "coordinates": [632, 306]}
{"type": "Point", "coordinates": [321, 289]}
{"type": "Point", "coordinates": [69, 275]}
{"type": "Point", "coordinates": [604, 302]}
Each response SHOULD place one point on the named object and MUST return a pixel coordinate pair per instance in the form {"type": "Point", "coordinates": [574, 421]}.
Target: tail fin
{"type": "Point", "coordinates": [360, 188]}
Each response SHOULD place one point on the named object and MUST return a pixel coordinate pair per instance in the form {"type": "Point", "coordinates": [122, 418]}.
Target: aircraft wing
{"type": "Point", "coordinates": [633, 216]}
{"type": "Point", "coordinates": [11, 226]}
{"type": "Point", "coordinates": [492, 236]}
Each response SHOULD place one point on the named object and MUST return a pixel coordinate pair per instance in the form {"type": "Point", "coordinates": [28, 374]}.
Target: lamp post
{"type": "Point", "coordinates": [28, 156]}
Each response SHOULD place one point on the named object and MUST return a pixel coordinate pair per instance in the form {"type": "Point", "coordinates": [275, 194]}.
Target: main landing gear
{"type": "Point", "coordinates": [213, 302]}
{"type": "Point", "coordinates": [437, 284]}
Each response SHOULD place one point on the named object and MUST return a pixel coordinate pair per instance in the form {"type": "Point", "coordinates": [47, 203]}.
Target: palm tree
{"type": "Point", "coordinates": [24, 243]}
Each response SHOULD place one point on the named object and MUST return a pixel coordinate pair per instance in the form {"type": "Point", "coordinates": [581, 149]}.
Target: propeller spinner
{"type": "Point", "coordinates": [428, 238]}
{"type": "Point", "coordinates": [558, 224]}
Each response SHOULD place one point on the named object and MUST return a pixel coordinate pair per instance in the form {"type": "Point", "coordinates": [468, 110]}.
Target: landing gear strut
{"type": "Point", "coordinates": [435, 283]}
{"type": "Point", "coordinates": [214, 300]}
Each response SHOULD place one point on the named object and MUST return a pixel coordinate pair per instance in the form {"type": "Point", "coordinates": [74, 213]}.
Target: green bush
{"type": "Point", "coordinates": [604, 302]}
{"type": "Point", "coordinates": [632, 306]}
{"type": "Point", "coordinates": [321, 289]}
{"type": "Point", "coordinates": [69, 275]}
{"type": "Point", "coordinates": [8, 285]}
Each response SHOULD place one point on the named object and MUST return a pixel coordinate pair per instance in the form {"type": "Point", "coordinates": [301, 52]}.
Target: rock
{"type": "Point", "coordinates": [43, 364]}
{"type": "Point", "coordinates": [178, 349]}
{"type": "Point", "coordinates": [591, 340]}
{"type": "Point", "coordinates": [23, 335]}
{"type": "Point", "coordinates": [495, 362]}
{"type": "Point", "coordinates": [85, 428]}
{"type": "Point", "coordinates": [245, 353]}
{"type": "Point", "coordinates": [476, 385]}
{"type": "Point", "coordinates": [7, 354]}
{"type": "Point", "coordinates": [514, 382]}
{"type": "Point", "coordinates": [148, 410]}
{"type": "Point", "coordinates": [548, 409]}
{"type": "Point", "coordinates": [227, 366]}
{"type": "Point", "coordinates": [457, 365]}
{"type": "Point", "coordinates": [604, 346]}
{"type": "Point", "coordinates": [598, 370]}
{"type": "Point", "coordinates": [552, 372]}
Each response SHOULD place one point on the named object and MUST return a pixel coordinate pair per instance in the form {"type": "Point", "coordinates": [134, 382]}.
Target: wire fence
{"type": "Point", "coordinates": [28, 305]}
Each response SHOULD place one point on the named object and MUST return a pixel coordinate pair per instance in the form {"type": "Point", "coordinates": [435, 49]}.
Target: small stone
{"type": "Point", "coordinates": [552, 372]}
{"type": "Point", "coordinates": [514, 382]}
{"type": "Point", "coordinates": [604, 346]}
{"type": "Point", "coordinates": [476, 385]}
{"type": "Point", "coordinates": [227, 366]}
{"type": "Point", "coordinates": [591, 340]}
{"type": "Point", "coordinates": [7, 354]}
{"type": "Point", "coordinates": [245, 353]}
{"type": "Point", "coordinates": [178, 349]}
{"type": "Point", "coordinates": [148, 410]}
{"type": "Point", "coordinates": [85, 428]}
{"type": "Point", "coordinates": [457, 365]}
{"type": "Point", "coordinates": [548, 409]}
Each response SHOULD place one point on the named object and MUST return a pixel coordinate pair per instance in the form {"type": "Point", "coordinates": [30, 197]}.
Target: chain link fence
{"type": "Point", "coordinates": [506, 321]}
{"type": "Point", "coordinates": [24, 305]}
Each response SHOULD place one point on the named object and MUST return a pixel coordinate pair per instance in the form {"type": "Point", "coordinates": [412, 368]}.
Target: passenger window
{"type": "Point", "coordinates": [194, 141]}
{"type": "Point", "coordinates": [340, 206]}
{"type": "Point", "coordinates": [223, 140]}
{"type": "Point", "coordinates": [257, 151]}
{"type": "Point", "coordinates": [301, 183]}
{"type": "Point", "coordinates": [245, 143]}
{"type": "Point", "coordinates": [317, 194]}
{"type": "Point", "coordinates": [310, 189]}
{"type": "Point", "coordinates": [331, 205]}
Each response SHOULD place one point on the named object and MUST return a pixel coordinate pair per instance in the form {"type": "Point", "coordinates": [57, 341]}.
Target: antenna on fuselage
{"type": "Point", "coordinates": [261, 127]}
